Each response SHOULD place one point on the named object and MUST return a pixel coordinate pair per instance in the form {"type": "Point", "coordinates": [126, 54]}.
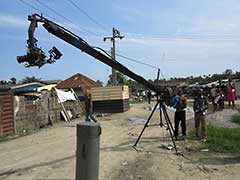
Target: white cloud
{"type": "Point", "coordinates": [130, 14]}
{"type": "Point", "coordinates": [210, 26]}
{"type": "Point", "coordinates": [12, 21]}
{"type": "Point", "coordinates": [183, 56]}
{"type": "Point", "coordinates": [193, 41]}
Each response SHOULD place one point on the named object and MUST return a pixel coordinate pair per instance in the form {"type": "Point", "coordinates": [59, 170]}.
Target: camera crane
{"type": "Point", "coordinates": [36, 57]}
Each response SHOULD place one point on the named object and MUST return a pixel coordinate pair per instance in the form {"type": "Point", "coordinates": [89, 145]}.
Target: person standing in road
{"type": "Point", "coordinates": [88, 108]}
{"type": "Point", "coordinates": [149, 96]}
{"type": "Point", "coordinates": [231, 94]}
{"type": "Point", "coordinates": [213, 94]}
{"type": "Point", "coordinates": [179, 103]}
{"type": "Point", "coordinates": [200, 107]}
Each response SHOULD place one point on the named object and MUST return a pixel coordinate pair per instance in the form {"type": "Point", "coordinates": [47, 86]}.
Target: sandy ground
{"type": "Point", "coordinates": [50, 153]}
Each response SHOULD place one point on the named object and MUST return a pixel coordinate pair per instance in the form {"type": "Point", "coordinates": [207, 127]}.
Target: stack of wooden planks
{"type": "Point", "coordinates": [110, 99]}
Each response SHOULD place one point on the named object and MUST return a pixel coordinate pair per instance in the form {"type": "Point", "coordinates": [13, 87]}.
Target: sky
{"type": "Point", "coordinates": [181, 37]}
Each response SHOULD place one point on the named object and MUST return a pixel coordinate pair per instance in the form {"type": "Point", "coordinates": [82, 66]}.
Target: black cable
{"type": "Point", "coordinates": [130, 59]}
{"type": "Point", "coordinates": [63, 17]}
{"type": "Point", "coordinates": [84, 13]}
{"type": "Point", "coordinates": [51, 9]}
{"type": "Point", "coordinates": [27, 4]}
{"type": "Point", "coordinates": [53, 22]}
{"type": "Point", "coordinates": [137, 61]}
{"type": "Point", "coordinates": [41, 11]}
{"type": "Point", "coordinates": [210, 37]}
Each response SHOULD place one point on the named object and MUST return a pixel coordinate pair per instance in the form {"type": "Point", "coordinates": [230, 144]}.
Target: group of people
{"type": "Point", "coordinates": [145, 95]}
{"type": "Point", "coordinates": [219, 94]}
{"type": "Point", "coordinates": [200, 107]}
{"type": "Point", "coordinates": [217, 97]}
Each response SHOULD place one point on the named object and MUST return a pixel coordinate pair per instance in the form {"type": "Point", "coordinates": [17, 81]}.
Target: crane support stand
{"type": "Point", "coordinates": [163, 110]}
{"type": "Point", "coordinates": [87, 153]}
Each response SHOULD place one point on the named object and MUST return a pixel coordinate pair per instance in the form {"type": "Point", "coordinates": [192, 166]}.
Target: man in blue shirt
{"type": "Point", "coordinates": [179, 103]}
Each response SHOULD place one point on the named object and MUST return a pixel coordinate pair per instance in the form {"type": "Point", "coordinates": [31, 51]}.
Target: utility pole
{"type": "Point", "coordinates": [115, 34]}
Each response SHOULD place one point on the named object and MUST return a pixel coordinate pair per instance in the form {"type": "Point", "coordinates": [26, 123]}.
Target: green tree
{"type": "Point", "coordinates": [133, 84]}
{"type": "Point", "coordinates": [99, 82]}
{"type": "Point", "coordinates": [30, 79]}
{"type": "Point", "coordinates": [228, 71]}
{"type": "Point", "coordinates": [13, 80]}
{"type": "Point", "coordinates": [121, 79]}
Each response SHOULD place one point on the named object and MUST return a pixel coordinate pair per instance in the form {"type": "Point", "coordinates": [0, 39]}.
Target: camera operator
{"type": "Point", "coordinates": [200, 107]}
{"type": "Point", "coordinates": [179, 103]}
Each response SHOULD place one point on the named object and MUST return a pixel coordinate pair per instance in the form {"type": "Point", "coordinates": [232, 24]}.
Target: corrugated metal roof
{"type": "Point", "coordinates": [27, 87]}
{"type": "Point", "coordinates": [47, 87]}
{"type": "Point", "coordinates": [5, 87]}
{"type": "Point", "coordinates": [78, 81]}
{"type": "Point", "coordinates": [48, 82]}
{"type": "Point", "coordinates": [26, 84]}
{"type": "Point", "coordinates": [170, 84]}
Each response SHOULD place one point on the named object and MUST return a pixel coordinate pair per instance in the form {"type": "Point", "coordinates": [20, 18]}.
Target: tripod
{"type": "Point", "coordinates": [162, 109]}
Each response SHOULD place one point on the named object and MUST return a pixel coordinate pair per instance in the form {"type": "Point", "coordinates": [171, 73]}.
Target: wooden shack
{"type": "Point", "coordinates": [110, 99]}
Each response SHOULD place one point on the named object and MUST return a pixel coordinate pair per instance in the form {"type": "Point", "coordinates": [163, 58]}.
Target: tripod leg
{"type": "Point", "coordinates": [146, 124]}
{"type": "Point", "coordinates": [160, 110]}
{"type": "Point", "coordinates": [170, 127]}
{"type": "Point", "coordinates": [167, 117]}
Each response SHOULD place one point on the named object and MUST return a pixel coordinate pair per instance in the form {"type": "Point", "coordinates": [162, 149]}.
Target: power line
{"type": "Point", "coordinates": [51, 9]}
{"type": "Point", "coordinates": [131, 59]}
{"type": "Point", "coordinates": [190, 38]}
{"type": "Point", "coordinates": [137, 61]}
{"type": "Point", "coordinates": [125, 57]}
{"type": "Point", "coordinates": [51, 18]}
{"type": "Point", "coordinates": [210, 37]}
{"type": "Point", "coordinates": [178, 35]}
{"type": "Point", "coordinates": [84, 13]}
{"type": "Point", "coordinates": [63, 17]}
{"type": "Point", "coordinates": [29, 5]}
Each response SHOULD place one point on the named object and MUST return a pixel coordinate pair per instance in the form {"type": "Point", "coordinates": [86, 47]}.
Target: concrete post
{"type": "Point", "coordinates": [87, 154]}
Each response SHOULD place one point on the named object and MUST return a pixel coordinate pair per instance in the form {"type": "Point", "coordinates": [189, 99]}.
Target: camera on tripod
{"type": "Point", "coordinates": [165, 94]}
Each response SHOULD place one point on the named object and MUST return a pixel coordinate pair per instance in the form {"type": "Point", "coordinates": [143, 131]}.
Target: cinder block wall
{"type": "Point", "coordinates": [31, 117]}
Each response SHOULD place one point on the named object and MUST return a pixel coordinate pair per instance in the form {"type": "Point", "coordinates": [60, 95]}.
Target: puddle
{"type": "Point", "coordinates": [136, 120]}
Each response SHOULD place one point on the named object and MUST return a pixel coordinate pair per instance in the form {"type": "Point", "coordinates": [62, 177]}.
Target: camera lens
{"type": "Point", "coordinates": [21, 59]}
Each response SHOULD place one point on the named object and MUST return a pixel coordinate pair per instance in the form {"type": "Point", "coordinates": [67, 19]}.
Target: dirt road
{"type": "Point", "coordinates": [50, 153]}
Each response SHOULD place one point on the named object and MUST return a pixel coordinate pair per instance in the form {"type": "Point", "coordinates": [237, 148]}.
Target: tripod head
{"type": "Point", "coordinates": [166, 95]}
